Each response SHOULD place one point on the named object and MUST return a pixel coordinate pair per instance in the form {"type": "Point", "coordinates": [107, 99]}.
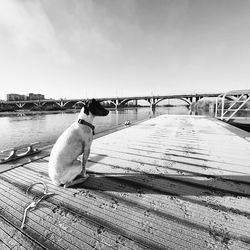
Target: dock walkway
{"type": "Point", "coordinates": [172, 182]}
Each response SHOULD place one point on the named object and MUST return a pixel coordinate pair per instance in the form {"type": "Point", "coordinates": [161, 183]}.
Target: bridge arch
{"type": "Point", "coordinates": [69, 104]}
{"type": "Point", "coordinates": [118, 103]}
{"type": "Point", "coordinates": [183, 99]}
{"type": "Point", "coordinates": [186, 100]}
{"type": "Point", "coordinates": [113, 102]}
{"type": "Point", "coordinates": [124, 101]}
{"type": "Point", "coordinates": [79, 103]}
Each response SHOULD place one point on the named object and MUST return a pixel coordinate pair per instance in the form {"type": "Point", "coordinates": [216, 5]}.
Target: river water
{"type": "Point", "coordinates": [45, 128]}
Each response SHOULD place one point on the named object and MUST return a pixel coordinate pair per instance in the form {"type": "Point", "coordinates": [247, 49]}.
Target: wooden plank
{"type": "Point", "coordinates": [162, 184]}
{"type": "Point", "coordinates": [159, 160]}
{"type": "Point", "coordinates": [23, 161]}
{"type": "Point", "coordinates": [127, 219]}
{"type": "Point", "coordinates": [212, 224]}
{"type": "Point", "coordinates": [187, 209]}
{"type": "Point", "coordinates": [12, 238]}
{"type": "Point", "coordinates": [3, 246]}
{"type": "Point", "coordinates": [54, 219]}
{"type": "Point", "coordinates": [236, 183]}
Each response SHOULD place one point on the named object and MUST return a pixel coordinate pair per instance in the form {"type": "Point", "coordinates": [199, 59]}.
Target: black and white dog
{"type": "Point", "coordinates": [76, 140]}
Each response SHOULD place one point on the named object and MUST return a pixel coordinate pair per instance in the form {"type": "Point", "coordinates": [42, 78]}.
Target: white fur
{"type": "Point", "coordinates": [74, 141]}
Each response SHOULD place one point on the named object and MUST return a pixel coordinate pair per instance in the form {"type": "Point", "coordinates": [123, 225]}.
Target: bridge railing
{"type": "Point", "coordinates": [233, 104]}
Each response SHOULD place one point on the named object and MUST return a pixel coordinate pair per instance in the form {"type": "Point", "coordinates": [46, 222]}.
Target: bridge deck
{"type": "Point", "coordinates": [172, 182]}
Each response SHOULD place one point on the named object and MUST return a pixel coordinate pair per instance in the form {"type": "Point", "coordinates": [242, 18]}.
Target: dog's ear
{"type": "Point", "coordinates": [86, 107]}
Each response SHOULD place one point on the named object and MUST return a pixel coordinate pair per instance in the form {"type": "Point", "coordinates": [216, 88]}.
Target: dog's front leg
{"type": "Point", "coordinates": [82, 176]}
{"type": "Point", "coordinates": [84, 161]}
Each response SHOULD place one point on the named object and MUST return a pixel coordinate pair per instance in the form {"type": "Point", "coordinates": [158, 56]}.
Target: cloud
{"type": "Point", "coordinates": [85, 29]}
{"type": "Point", "coordinates": [30, 29]}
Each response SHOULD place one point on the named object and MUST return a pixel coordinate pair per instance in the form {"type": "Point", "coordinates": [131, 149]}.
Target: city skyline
{"type": "Point", "coordinates": [85, 49]}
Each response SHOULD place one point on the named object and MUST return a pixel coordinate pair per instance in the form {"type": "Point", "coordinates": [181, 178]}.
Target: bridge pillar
{"type": "Point", "coordinates": [192, 100]}
{"type": "Point", "coordinates": [20, 105]}
{"type": "Point", "coordinates": [152, 101]}
{"type": "Point", "coordinates": [39, 103]}
{"type": "Point", "coordinates": [152, 106]}
{"type": "Point", "coordinates": [116, 104]}
{"type": "Point", "coordinates": [197, 98]}
{"type": "Point", "coordinates": [61, 103]}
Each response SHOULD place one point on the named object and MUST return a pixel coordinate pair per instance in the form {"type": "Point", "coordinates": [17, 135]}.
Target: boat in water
{"type": "Point", "coordinates": [241, 123]}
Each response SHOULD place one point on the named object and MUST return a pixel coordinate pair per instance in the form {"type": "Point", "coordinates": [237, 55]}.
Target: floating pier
{"type": "Point", "coordinates": [172, 182]}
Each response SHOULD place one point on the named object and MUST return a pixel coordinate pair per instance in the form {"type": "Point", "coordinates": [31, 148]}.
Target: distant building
{"type": "Point", "coordinates": [35, 96]}
{"type": "Point", "coordinates": [31, 96]}
{"type": "Point", "coordinates": [16, 97]}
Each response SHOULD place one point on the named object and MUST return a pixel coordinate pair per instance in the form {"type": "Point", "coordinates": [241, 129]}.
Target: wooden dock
{"type": "Point", "coordinates": [172, 182]}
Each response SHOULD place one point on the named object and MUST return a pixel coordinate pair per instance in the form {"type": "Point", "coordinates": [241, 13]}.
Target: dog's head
{"type": "Point", "coordinates": [95, 108]}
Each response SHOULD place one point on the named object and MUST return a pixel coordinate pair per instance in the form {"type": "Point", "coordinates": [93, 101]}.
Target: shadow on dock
{"type": "Point", "coordinates": [167, 184]}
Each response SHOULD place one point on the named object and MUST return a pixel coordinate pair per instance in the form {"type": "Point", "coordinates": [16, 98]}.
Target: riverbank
{"type": "Point", "coordinates": [28, 112]}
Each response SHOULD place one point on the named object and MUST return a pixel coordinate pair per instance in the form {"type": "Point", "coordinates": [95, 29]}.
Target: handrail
{"type": "Point", "coordinates": [232, 98]}
{"type": "Point", "coordinates": [238, 108]}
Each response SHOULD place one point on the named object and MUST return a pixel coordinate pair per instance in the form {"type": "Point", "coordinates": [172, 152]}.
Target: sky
{"type": "Point", "coordinates": [108, 48]}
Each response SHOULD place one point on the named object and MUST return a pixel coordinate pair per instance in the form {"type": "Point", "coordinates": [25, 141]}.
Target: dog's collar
{"type": "Point", "coordinates": [80, 121]}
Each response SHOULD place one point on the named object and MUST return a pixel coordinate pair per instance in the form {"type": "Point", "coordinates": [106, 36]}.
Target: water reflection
{"type": "Point", "coordinates": [22, 129]}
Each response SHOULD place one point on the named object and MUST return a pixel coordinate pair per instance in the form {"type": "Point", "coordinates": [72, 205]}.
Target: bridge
{"type": "Point", "coordinates": [117, 102]}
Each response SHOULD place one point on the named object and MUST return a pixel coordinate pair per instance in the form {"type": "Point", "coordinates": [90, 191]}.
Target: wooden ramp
{"type": "Point", "coordinates": [172, 182]}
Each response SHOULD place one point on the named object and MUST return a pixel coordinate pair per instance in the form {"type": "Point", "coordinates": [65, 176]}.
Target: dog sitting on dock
{"type": "Point", "coordinates": [64, 166]}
